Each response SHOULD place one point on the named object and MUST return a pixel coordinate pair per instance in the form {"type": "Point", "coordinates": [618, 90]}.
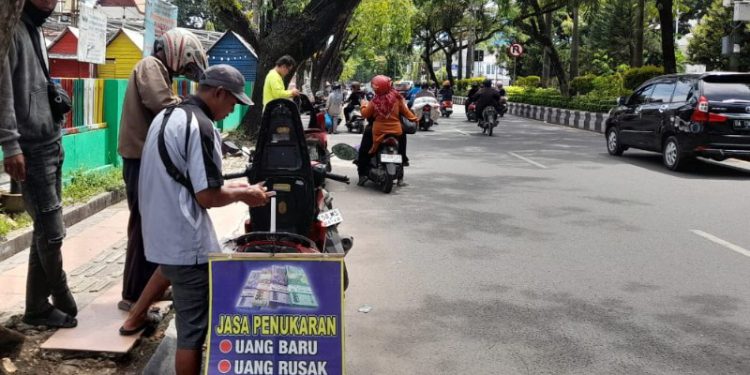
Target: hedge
{"type": "Point", "coordinates": [591, 102]}
{"type": "Point", "coordinates": [634, 77]}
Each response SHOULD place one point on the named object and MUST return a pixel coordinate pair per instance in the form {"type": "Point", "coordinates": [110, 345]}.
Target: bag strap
{"type": "Point", "coordinates": [172, 170]}
{"type": "Point", "coordinates": [34, 34]}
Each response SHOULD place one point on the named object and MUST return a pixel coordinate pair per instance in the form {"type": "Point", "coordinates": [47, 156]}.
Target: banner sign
{"type": "Point", "coordinates": [92, 37]}
{"type": "Point", "coordinates": [276, 315]}
{"type": "Point", "coordinates": [161, 16]}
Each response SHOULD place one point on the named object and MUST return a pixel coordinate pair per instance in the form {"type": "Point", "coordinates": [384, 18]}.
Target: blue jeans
{"type": "Point", "coordinates": [42, 195]}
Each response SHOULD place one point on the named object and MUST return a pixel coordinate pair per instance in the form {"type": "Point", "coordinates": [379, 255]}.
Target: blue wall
{"type": "Point", "coordinates": [229, 50]}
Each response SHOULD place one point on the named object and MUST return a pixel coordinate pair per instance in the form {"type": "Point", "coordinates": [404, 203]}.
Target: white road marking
{"type": "Point", "coordinates": [721, 242]}
{"type": "Point", "coordinates": [462, 132]}
{"type": "Point", "coordinates": [527, 160]}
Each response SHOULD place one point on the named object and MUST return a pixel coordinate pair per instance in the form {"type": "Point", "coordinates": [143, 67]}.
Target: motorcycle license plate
{"type": "Point", "coordinates": [331, 217]}
{"type": "Point", "coordinates": [390, 158]}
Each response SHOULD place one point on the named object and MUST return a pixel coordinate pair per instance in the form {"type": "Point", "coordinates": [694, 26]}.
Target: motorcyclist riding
{"type": "Point", "coordinates": [470, 95]}
{"type": "Point", "coordinates": [425, 91]}
{"type": "Point", "coordinates": [353, 100]}
{"type": "Point", "coordinates": [500, 89]}
{"type": "Point", "coordinates": [446, 93]}
{"type": "Point", "coordinates": [486, 97]}
{"type": "Point", "coordinates": [386, 108]}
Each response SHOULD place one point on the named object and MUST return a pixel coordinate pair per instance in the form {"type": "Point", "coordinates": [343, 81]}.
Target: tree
{"type": "Point", "coordinates": [705, 45]}
{"type": "Point", "coordinates": [9, 15]}
{"type": "Point", "coordinates": [298, 28]}
{"type": "Point", "coordinates": [640, 10]}
{"type": "Point", "coordinates": [533, 23]}
{"type": "Point", "coordinates": [666, 20]}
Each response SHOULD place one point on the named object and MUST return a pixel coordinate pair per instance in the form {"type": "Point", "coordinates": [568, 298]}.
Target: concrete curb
{"type": "Point", "coordinates": [567, 117]}
{"type": "Point", "coordinates": [21, 239]}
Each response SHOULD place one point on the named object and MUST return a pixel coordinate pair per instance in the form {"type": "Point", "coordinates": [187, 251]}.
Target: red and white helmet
{"type": "Point", "coordinates": [381, 84]}
{"type": "Point", "coordinates": [181, 49]}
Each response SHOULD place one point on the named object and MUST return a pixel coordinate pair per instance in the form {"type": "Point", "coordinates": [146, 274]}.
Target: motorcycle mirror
{"type": "Point", "coordinates": [229, 147]}
{"type": "Point", "coordinates": [344, 151]}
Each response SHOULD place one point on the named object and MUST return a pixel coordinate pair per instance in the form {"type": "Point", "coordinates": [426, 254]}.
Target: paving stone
{"type": "Point", "coordinates": [83, 269]}
{"type": "Point", "coordinates": [96, 269]}
{"type": "Point", "coordinates": [84, 285]}
{"type": "Point", "coordinates": [99, 286]}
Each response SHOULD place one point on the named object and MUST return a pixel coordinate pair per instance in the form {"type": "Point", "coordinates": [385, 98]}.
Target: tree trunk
{"type": "Point", "coordinates": [470, 57]}
{"type": "Point", "coordinates": [546, 61]}
{"type": "Point", "coordinates": [448, 64]}
{"type": "Point", "coordinates": [575, 44]}
{"type": "Point", "coordinates": [639, 15]}
{"type": "Point", "coordinates": [9, 14]}
{"type": "Point", "coordinates": [666, 19]}
{"type": "Point", "coordinates": [460, 61]}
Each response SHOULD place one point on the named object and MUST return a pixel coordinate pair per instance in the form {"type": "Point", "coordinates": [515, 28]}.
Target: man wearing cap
{"type": "Point", "coordinates": [180, 179]}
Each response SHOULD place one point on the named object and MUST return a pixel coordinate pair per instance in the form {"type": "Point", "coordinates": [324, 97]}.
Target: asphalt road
{"type": "Point", "coordinates": [535, 252]}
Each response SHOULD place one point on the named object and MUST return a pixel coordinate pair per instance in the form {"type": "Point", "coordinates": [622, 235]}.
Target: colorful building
{"type": "Point", "coordinates": [63, 57]}
{"type": "Point", "coordinates": [232, 49]}
{"type": "Point", "coordinates": [124, 50]}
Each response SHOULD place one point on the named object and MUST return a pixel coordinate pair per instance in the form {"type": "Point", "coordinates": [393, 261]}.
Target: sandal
{"type": "Point", "coordinates": [54, 319]}
{"type": "Point", "coordinates": [125, 305]}
{"type": "Point", "coordinates": [152, 320]}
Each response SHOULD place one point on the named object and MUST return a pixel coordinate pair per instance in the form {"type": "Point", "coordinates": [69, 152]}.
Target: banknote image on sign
{"type": "Point", "coordinates": [277, 286]}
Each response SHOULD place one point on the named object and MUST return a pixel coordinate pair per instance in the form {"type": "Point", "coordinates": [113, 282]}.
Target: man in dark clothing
{"type": "Point", "coordinates": [425, 91]}
{"type": "Point", "coordinates": [30, 136]}
{"type": "Point", "coordinates": [353, 100]}
{"type": "Point", "coordinates": [470, 95]}
{"type": "Point", "coordinates": [446, 93]}
{"type": "Point", "coordinates": [500, 89]}
{"type": "Point", "coordinates": [486, 97]}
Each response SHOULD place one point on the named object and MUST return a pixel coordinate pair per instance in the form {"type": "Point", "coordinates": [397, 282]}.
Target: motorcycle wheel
{"type": "Point", "coordinates": [490, 127]}
{"type": "Point", "coordinates": [387, 184]}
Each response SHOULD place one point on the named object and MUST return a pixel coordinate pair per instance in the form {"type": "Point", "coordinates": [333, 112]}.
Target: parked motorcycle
{"type": "Point", "coordinates": [316, 134]}
{"type": "Point", "coordinates": [446, 108]}
{"type": "Point", "coordinates": [356, 121]}
{"type": "Point", "coordinates": [427, 110]}
{"type": "Point", "coordinates": [503, 105]}
{"type": "Point", "coordinates": [471, 112]}
{"type": "Point", "coordinates": [302, 218]}
{"type": "Point", "coordinates": [489, 120]}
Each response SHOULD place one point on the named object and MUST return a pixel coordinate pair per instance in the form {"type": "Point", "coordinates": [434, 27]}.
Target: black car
{"type": "Point", "coordinates": [684, 116]}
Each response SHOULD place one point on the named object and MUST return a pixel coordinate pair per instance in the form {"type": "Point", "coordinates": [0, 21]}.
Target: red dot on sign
{"type": "Point", "coordinates": [224, 366]}
{"type": "Point", "coordinates": [225, 346]}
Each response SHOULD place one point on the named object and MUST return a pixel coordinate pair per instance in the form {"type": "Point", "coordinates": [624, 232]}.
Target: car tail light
{"type": "Point", "coordinates": [701, 113]}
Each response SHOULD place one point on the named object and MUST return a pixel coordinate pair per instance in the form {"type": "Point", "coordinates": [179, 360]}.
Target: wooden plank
{"type": "Point", "coordinates": [98, 325]}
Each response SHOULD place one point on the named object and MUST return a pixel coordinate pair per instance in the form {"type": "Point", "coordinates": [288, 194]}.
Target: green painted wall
{"type": "Point", "coordinates": [234, 119]}
{"type": "Point", "coordinates": [87, 150]}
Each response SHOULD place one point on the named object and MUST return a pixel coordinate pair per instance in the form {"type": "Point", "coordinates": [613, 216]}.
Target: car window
{"type": "Point", "coordinates": [726, 91]}
{"type": "Point", "coordinates": [683, 91]}
{"type": "Point", "coordinates": [641, 96]}
{"type": "Point", "coordinates": [662, 93]}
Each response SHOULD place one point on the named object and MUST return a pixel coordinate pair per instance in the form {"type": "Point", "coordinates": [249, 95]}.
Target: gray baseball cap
{"type": "Point", "coordinates": [228, 78]}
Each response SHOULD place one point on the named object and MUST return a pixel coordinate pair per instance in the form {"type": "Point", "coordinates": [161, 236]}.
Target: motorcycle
{"type": "Point", "coordinates": [316, 134]}
{"type": "Point", "coordinates": [488, 121]}
{"type": "Point", "coordinates": [426, 108]}
{"type": "Point", "coordinates": [385, 166]}
{"type": "Point", "coordinates": [471, 112]}
{"type": "Point", "coordinates": [302, 218]}
{"type": "Point", "coordinates": [446, 108]}
{"type": "Point", "coordinates": [356, 122]}
{"type": "Point", "coordinates": [503, 105]}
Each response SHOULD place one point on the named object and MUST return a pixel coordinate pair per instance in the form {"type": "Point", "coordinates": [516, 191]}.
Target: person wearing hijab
{"type": "Point", "coordinates": [386, 110]}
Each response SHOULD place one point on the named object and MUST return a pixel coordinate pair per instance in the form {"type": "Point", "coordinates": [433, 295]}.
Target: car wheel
{"type": "Point", "coordinates": [613, 142]}
{"type": "Point", "coordinates": [674, 156]}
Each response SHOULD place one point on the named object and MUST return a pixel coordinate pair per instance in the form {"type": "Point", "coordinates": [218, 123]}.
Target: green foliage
{"type": "Point", "coordinates": [463, 85]}
{"type": "Point", "coordinates": [705, 45]}
{"type": "Point", "coordinates": [530, 81]}
{"type": "Point", "coordinates": [553, 98]}
{"type": "Point", "coordinates": [634, 77]}
{"type": "Point", "coordinates": [86, 184]}
{"type": "Point", "coordinates": [583, 84]}
{"type": "Point", "coordinates": [11, 222]}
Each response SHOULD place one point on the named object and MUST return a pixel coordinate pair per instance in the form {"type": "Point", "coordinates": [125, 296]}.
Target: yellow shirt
{"type": "Point", "coordinates": [274, 88]}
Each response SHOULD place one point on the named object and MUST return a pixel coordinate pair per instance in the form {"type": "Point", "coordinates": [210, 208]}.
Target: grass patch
{"type": "Point", "coordinates": [84, 185]}
{"type": "Point", "coordinates": [11, 222]}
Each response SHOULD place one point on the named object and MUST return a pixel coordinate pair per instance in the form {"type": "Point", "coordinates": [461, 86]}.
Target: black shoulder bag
{"type": "Point", "coordinates": [59, 101]}
{"type": "Point", "coordinates": [182, 179]}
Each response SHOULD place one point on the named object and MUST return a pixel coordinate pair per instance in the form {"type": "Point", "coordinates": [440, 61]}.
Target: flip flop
{"type": "Point", "coordinates": [54, 319]}
{"type": "Point", "coordinates": [151, 321]}
{"type": "Point", "coordinates": [125, 305]}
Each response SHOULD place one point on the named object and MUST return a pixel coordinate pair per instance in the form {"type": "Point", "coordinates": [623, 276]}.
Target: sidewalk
{"type": "Point", "coordinates": [94, 256]}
